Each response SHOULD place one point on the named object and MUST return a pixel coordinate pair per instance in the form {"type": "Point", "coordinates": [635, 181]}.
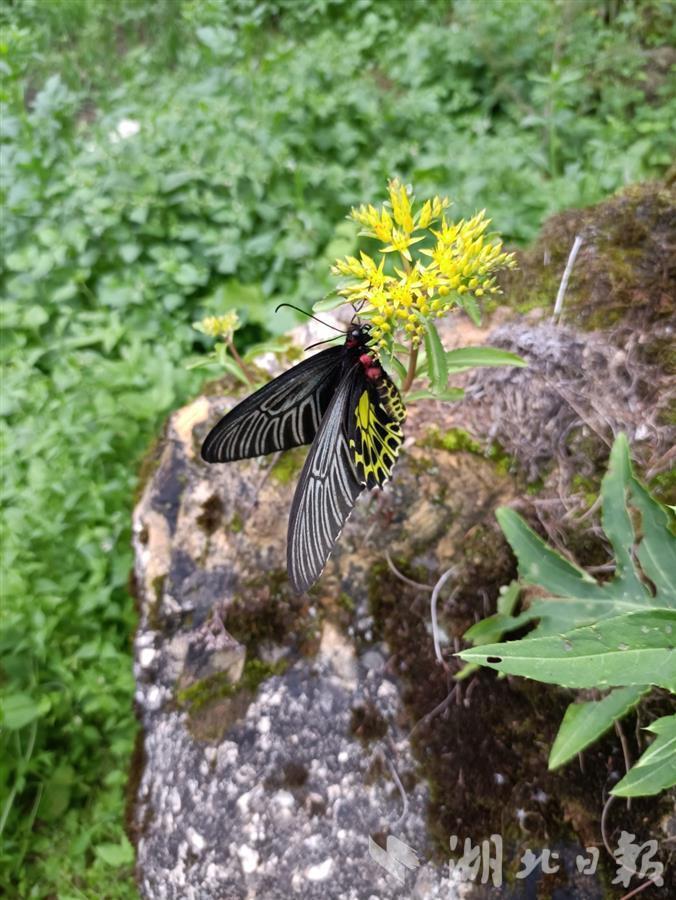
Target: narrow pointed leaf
{"type": "Point", "coordinates": [655, 771]}
{"type": "Point", "coordinates": [583, 723]}
{"type": "Point", "coordinates": [436, 357]}
{"type": "Point", "coordinates": [617, 522]}
{"type": "Point", "coordinates": [657, 551]}
{"type": "Point", "coordinates": [470, 357]}
{"type": "Point", "coordinates": [539, 564]}
{"type": "Point", "coordinates": [633, 649]}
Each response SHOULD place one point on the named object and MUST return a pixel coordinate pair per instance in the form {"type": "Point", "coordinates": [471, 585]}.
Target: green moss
{"type": "Point", "coordinates": [535, 487]}
{"type": "Point", "coordinates": [157, 585]}
{"type": "Point", "coordinates": [236, 524]}
{"type": "Point", "coordinates": [503, 462]}
{"type": "Point", "coordinates": [346, 602]}
{"type": "Point", "coordinates": [588, 487]}
{"type": "Point", "coordinates": [217, 686]}
{"type": "Point", "coordinates": [457, 440]}
{"type": "Point", "coordinates": [288, 466]}
{"type": "Point", "coordinates": [149, 464]}
{"type": "Point", "coordinates": [664, 487]}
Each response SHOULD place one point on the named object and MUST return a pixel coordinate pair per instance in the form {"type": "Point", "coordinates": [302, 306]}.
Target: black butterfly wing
{"type": "Point", "coordinates": [327, 491]}
{"type": "Point", "coordinates": [356, 447]}
{"type": "Point", "coordinates": [286, 412]}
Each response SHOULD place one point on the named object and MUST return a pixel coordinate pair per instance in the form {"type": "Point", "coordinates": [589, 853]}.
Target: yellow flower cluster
{"type": "Point", "coordinates": [222, 327]}
{"type": "Point", "coordinates": [460, 260]}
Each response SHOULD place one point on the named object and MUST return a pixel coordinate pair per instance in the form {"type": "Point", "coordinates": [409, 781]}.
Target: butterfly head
{"type": "Point", "coordinates": [358, 336]}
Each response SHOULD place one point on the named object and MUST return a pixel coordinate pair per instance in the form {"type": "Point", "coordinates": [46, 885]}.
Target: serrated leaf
{"type": "Point", "coordinates": [583, 723]}
{"type": "Point", "coordinates": [636, 648]}
{"type": "Point", "coordinates": [655, 771]}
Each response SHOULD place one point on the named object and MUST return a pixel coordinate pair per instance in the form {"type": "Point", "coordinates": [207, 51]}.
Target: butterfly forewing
{"type": "Point", "coordinates": [327, 491]}
{"type": "Point", "coordinates": [284, 413]}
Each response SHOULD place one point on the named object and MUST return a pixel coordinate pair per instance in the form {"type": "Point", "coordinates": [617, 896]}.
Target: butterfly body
{"type": "Point", "coordinates": [343, 403]}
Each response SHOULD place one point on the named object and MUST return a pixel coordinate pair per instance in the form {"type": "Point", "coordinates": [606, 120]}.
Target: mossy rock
{"type": "Point", "coordinates": [341, 687]}
{"type": "Point", "coordinates": [625, 272]}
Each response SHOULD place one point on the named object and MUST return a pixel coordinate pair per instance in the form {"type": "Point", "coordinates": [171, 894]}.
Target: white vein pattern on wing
{"type": "Point", "coordinates": [327, 491]}
{"type": "Point", "coordinates": [293, 405]}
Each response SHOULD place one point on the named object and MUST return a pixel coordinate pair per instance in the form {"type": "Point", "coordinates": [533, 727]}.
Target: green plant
{"type": "Point", "coordinates": [619, 634]}
{"type": "Point", "coordinates": [166, 162]}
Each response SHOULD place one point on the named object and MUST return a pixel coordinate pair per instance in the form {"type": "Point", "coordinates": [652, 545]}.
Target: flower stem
{"type": "Point", "coordinates": [412, 366]}
{"type": "Point", "coordinates": [240, 362]}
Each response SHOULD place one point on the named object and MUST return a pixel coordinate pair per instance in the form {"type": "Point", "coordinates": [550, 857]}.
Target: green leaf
{"type": "Point", "coordinates": [449, 395]}
{"type": "Point", "coordinates": [129, 252]}
{"type": "Point", "coordinates": [398, 367]}
{"type": "Point", "coordinates": [436, 355]}
{"type": "Point", "coordinates": [470, 357]}
{"type": "Point", "coordinates": [57, 792]}
{"type": "Point", "coordinates": [121, 854]}
{"type": "Point", "coordinates": [328, 303]}
{"type": "Point", "coordinates": [175, 180]}
{"type": "Point", "coordinates": [539, 564]}
{"type": "Point", "coordinates": [278, 344]}
{"type": "Point", "coordinates": [632, 649]}
{"type": "Point", "coordinates": [471, 307]}
{"type": "Point", "coordinates": [231, 367]}
{"type": "Point", "coordinates": [655, 771]}
{"type": "Point", "coordinates": [492, 628]}
{"type": "Point", "coordinates": [583, 723]}
{"type": "Point", "coordinates": [657, 551]}
{"type": "Point", "coordinates": [20, 709]}
{"type": "Point", "coordinates": [617, 522]}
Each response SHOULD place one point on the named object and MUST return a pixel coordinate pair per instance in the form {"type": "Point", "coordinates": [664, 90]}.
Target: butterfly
{"type": "Point", "coordinates": [343, 403]}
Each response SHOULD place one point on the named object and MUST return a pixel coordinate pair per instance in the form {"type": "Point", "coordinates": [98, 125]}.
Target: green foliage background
{"type": "Point", "coordinates": [261, 123]}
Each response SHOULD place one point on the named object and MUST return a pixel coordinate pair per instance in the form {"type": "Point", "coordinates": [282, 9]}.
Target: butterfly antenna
{"type": "Point", "coordinates": [325, 341]}
{"type": "Point", "coordinates": [309, 315]}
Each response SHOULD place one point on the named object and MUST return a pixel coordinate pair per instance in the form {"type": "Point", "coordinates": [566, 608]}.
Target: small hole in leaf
{"type": "Point", "coordinates": [494, 659]}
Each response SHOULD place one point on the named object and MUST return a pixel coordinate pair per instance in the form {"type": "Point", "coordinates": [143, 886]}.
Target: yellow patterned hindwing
{"type": "Point", "coordinates": [377, 436]}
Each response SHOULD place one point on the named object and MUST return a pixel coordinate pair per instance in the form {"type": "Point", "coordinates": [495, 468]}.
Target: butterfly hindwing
{"type": "Point", "coordinates": [355, 448]}
{"type": "Point", "coordinates": [284, 413]}
{"type": "Point", "coordinates": [375, 434]}
{"type": "Point", "coordinates": [327, 491]}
